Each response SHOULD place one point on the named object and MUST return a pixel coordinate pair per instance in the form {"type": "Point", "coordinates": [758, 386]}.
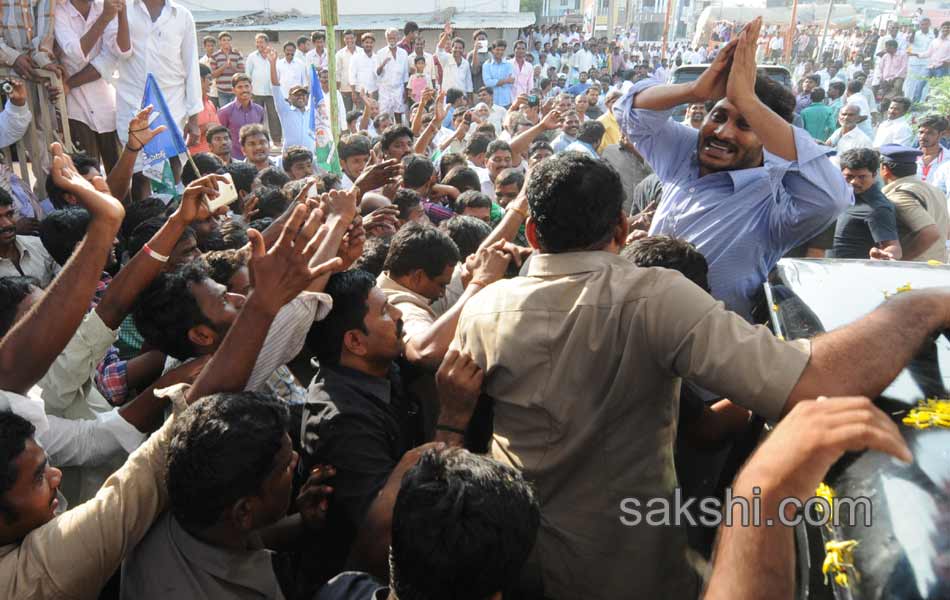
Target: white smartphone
{"type": "Point", "coordinates": [227, 194]}
{"type": "Point", "coordinates": [483, 45]}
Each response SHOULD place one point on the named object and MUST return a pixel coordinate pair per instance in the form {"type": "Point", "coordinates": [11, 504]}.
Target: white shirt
{"type": "Point", "coordinates": [290, 74]}
{"type": "Point", "coordinates": [777, 43]}
{"type": "Point", "coordinates": [343, 59]}
{"type": "Point", "coordinates": [849, 141]}
{"type": "Point", "coordinates": [320, 61]}
{"type": "Point", "coordinates": [396, 71]}
{"type": "Point", "coordinates": [257, 68]}
{"type": "Point", "coordinates": [582, 60]}
{"type": "Point", "coordinates": [168, 49]}
{"type": "Point", "coordinates": [896, 131]}
{"type": "Point", "coordinates": [363, 72]}
{"type": "Point", "coordinates": [14, 121]}
{"type": "Point", "coordinates": [455, 75]}
{"type": "Point", "coordinates": [94, 102]}
{"type": "Point", "coordinates": [920, 44]}
{"type": "Point", "coordinates": [939, 173]}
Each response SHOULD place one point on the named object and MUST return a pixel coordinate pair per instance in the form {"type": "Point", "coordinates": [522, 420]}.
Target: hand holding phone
{"type": "Point", "coordinates": [227, 194]}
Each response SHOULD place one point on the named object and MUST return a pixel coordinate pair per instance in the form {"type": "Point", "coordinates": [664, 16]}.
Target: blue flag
{"type": "Point", "coordinates": [324, 151]}
{"type": "Point", "coordinates": [170, 142]}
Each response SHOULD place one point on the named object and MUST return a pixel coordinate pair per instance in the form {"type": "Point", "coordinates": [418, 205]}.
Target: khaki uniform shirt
{"type": "Point", "coordinates": [920, 205]}
{"type": "Point", "coordinates": [417, 313]}
{"type": "Point", "coordinates": [76, 553]}
{"type": "Point", "coordinates": [583, 357]}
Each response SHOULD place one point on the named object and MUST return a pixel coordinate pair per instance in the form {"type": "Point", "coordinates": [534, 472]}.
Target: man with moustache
{"type": "Point", "coordinates": [22, 254]}
{"type": "Point", "coordinates": [748, 186]}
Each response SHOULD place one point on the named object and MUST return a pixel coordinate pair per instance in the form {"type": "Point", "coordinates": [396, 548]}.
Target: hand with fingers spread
{"type": "Point", "coordinates": [340, 204]}
{"type": "Point", "coordinates": [139, 131]}
{"type": "Point", "coordinates": [378, 175]}
{"type": "Point", "coordinates": [389, 190]}
{"type": "Point", "coordinates": [250, 209]}
{"type": "Point", "coordinates": [278, 275]}
{"type": "Point", "coordinates": [552, 120]}
{"type": "Point", "coordinates": [459, 383]}
{"type": "Point", "coordinates": [313, 501]}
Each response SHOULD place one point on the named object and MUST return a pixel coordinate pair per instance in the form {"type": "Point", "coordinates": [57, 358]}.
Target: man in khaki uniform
{"type": "Point", "coordinates": [922, 220]}
{"type": "Point", "coordinates": [583, 357]}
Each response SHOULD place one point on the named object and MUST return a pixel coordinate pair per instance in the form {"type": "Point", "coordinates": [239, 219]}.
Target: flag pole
{"type": "Point", "coordinates": [330, 18]}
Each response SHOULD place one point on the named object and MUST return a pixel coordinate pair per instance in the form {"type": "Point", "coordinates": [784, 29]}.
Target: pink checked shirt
{"type": "Point", "coordinates": [524, 77]}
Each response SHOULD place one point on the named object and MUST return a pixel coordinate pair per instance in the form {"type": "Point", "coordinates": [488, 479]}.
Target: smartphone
{"type": "Point", "coordinates": [482, 45]}
{"type": "Point", "coordinates": [227, 194]}
{"type": "Point", "coordinates": [534, 100]}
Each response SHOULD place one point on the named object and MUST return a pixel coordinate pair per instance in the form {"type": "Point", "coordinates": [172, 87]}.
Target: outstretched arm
{"type": "Point", "coordinates": [32, 344]}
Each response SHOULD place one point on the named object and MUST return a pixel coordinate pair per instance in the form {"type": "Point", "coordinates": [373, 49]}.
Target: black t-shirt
{"type": "Point", "coordinates": [861, 227]}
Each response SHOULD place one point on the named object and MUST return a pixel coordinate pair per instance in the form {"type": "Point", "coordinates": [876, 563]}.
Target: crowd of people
{"type": "Point", "coordinates": [438, 371]}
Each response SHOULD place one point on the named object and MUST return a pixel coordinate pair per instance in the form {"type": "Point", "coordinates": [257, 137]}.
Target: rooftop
{"type": "Point", "coordinates": [436, 20]}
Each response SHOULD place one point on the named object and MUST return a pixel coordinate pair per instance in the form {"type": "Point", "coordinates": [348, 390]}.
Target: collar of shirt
{"type": "Point", "coordinates": [402, 294]}
{"type": "Point", "coordinates": [250, 568]}
{"type": "Point", "coordinates": [571, 263]}
{"type": "Point", "coordinates": [380, 388]}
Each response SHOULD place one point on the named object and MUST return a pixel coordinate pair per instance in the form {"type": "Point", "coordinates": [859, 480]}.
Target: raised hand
{"type": "Point", "coordinates": [18, 96]}
{"type": "Point", "coordinates": [339, 203]}
{"type": "Point", "coordinates": [194, 200]}
{"type": "Point", "coordinates": [139, 131]}
{"type": "Point", "coordinates": [278, 275]}
{"type": "Point", "coordinates": [378, 175]}
{"type": "Point", "coordinates": [382, 221]}
{"type": "Point", "coordinates": [711, 85]}
{"type": "Point", "coordinates": [741, 82]}
{"type": "Point", "coordinates": [552, 120]}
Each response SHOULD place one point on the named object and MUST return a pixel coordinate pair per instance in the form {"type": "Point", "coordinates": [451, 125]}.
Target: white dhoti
{"type": "Point", "coordinates": [392, 99]}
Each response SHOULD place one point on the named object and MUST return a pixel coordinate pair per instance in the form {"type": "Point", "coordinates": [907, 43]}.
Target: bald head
{"type": "Point", "coordinates": [371, 201]}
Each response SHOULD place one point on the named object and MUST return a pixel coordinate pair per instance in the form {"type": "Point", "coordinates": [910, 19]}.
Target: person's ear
{"type": "Point", "coordinates": [621, 230]}
{"type": "Point", "coordinates": [241, 514]}
{"type": "Point", "coordinates": [353, 342]}
{"type": "Point", "coordinates": [417, 279]}
{"type": "Point", "coordinates": [202, 336]}
{"type": "Point", "coordinates": [531, 232]}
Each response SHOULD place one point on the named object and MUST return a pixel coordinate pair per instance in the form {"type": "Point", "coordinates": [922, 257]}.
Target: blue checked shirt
{"type": "Point", "coordinates": [492, 73]}
{"type": "Point", "coordinates": [742, 221]}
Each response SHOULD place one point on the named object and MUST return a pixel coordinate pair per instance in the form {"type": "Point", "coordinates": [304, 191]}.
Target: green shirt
{"type": "Point", "coordinates": [818, 120]}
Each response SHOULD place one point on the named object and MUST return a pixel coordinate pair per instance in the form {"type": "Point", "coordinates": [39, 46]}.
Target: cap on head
{"type": "Point", "coordinates": [900, 154]}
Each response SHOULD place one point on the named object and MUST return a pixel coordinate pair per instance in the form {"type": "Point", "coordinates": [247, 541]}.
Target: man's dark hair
{"type": "Point", "coordinates": [417, 170]}
{"type": "Point", "coordinates": [496, 146]}
{"type": "Point", "coordinates": [233, 234]}
{"type": "Point", "coordinates": [670, 253]}
{"type": "Point", "coordinates": [903, 101]}
{"type": "Point", "coordinates": [472, 199]}
{"type": "Point", "coordinates": [253, 129]}
{"type": "Point", "coordinates": [860, 158]}
{"type": "Point", "coordinates": [410, 27]}
{"type": "Point", "coordinates": [318, 35]}
{"type": "Point", "coordinates": [5, 198]}
{"type": "Point", "coordinates": [463, 179]}
{"type": "Point", "coordinates": [449, 161]}
{"type": "Point", "coordinates": [477, 145]}
{"type": "Point", "coordinates": [354, 145]}
{"type": "Point", "coordinates": [83, 163]}
{"type": "Point", "coordinates": [13, 290]}
{"type": "Point", "coordinates": [406, 201]}
{"type": "Point", "coordinates": [295, 154]}
{"type": "Point", "coordinates": [146, 231]}
{"type": "Point", "coordinates": [591, 132]}
{"type": "Point", "coordinates": [215, 130]}
{"type": "Point", "coordinates": [272, 202]}
{"type": "Point", "coordinates": [393, 133]}
{"type": "Point", "coordinates": [62, 230]}
{"type": "Point", "coordinates": [838, 85]}
{"type": "Point", "coordinates": [203, 70]}
{"type": "Point", "coordinates": [540, 145]}
{"type": "Point", "coordinates": [331, 181]}
{"type": "Point", "coordinates": [14, 432]}
{"type": "Point", "coordinates": [817, 95]}
{"type": "Point", "coordinates": [855, 86]}
{"type": "Point", "coordinates": [463, 527]}
{"type": "Point", "coordinates": [452, 96]}
{"type": "Point", "coordinates": [374, 254]}
{"type": "Point", "coordinates": [350, 293]}
{"type": "Point", "coordinates": [222, 449]}
{"type": "Point", "coordinates": [575, 201]}
{"type": "Point", "coordinates": [272, 177]}
{"type": "Point", "coordinates": [143, 210]}
{"type": "Point", "coordinates": [499, 43]}
{"type": "Point", "coordinates": [935, 122]}
{"type": "Point", "coordinates": [899, 169]}
{"type": "Point", "coordinates": [353, 115]}
{"type": "Point", "coordinates": [816, 79]}
{"type": "Point", "coordinates": [243, 175]}
{"type": "Point", "coordinates": [223, 264]}
{"type": "Point", "coordinates": [510, 176]}
{"type": "Point", "coordinates": [467, 232]}
{"type": "Point", "coordinates": [776, 96]}
{"type": "Point", "coordinates": [207, 164]}
{"type": "Point", "coordinates": [167, 309]}
{"type": "Point", "coordinates": [423, 247]}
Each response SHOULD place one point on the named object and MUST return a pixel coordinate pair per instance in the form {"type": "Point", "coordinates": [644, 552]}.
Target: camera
{"type": "Point", "coordinates": [534, 100]}
{"type": "Point", "coordinates": [6, 86]}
